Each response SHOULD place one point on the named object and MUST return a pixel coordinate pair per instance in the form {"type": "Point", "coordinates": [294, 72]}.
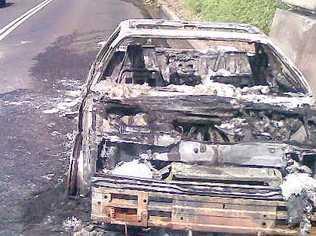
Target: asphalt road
{"type": "Point", "coordinates": [14, 9]}
{"type": "Point", "coordinates": [43, 64]}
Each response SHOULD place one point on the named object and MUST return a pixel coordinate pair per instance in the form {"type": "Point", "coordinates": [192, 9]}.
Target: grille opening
{"type": "Point", "coordinates": [160, 213]}
{"type": "Point", "coordinates": [160, 199]}
{"type": "Point", "coordinates": [124, 196]}
{"type": "Point", "coordinates": [120, 213]}
{"type": "Point", "coordinates": [238, 182]}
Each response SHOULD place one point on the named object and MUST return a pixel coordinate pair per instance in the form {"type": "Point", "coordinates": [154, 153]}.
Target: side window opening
{"type": "Point", "coordinates": [114, 65]}
{"type": "Point", "coordinates": [105, 49]}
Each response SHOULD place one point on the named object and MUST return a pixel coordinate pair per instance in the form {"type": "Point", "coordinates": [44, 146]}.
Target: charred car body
{"type": "Point", "coordinates": [196, 126]}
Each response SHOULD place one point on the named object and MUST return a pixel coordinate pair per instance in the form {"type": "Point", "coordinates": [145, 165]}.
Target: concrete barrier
{"type": "Point", "coordinates": [307, 4]}
{"type": "Point", "coordinates": [295, 34]}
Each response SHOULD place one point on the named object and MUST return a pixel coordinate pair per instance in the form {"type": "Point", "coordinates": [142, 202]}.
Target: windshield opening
{"type": "Point", "coordinates": [162, 62]}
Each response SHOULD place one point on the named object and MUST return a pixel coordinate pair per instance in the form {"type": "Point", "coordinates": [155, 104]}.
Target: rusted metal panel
{"type": "Point", "coordinates": [127, 205]}
{"type": "Point", "coordinates": [142, 208]}
{"type": "Point", "coordinates": [264, 176]}
{"type": "Point", "coordinates": [191, 188]}
{"type": "Point", "coordinates": [185, 212]}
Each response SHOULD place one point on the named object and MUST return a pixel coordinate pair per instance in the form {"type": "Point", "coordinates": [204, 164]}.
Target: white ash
{"type": "Point", "coordinates": [72, 224]}
{"type": "Point", "coordinates": [296, 183]}
{"type": "Point", "coordinates": [51, 111]}
{"type": "Point", "coordinates": [233, 123]}
{"type": "Point", "coordinates": [257, 94]}
{"type": "Point", "coordinates": [135, 168]}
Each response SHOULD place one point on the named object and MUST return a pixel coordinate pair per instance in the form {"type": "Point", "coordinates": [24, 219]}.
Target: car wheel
{"type": "Point", "coordinates": [71, 183]}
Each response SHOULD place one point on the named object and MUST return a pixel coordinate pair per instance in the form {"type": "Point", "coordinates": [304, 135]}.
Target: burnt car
{"type": "Point", "coordinates": [200, 127]}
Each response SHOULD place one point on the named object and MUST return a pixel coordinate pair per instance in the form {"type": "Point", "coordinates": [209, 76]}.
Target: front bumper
{"type": "Point", "coordinates": [224, 208]}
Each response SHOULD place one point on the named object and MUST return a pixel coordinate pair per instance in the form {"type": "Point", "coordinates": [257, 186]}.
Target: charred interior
{"type": "Point", "coordinates": [158, 63]}
{"type": "Point", "coordinates": [166, 117]}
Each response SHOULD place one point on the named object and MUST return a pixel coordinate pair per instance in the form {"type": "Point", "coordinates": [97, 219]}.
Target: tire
{"type": "Point", "coordinates": [71, 183]}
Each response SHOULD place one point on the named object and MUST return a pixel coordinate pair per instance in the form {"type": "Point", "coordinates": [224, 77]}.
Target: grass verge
{"type": "Point", "coordinates": [256, 12]}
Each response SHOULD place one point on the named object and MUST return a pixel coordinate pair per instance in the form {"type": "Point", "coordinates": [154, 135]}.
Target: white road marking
{"type": "Point", "coordinates": [25, 42]}
{"type": "Point", "coordinates": [5, 31]}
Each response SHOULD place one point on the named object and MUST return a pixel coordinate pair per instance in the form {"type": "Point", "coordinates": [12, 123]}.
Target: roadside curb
{"type": "Point", "coordinates": [166, 12]}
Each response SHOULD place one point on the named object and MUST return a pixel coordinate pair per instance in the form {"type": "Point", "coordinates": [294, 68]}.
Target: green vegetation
{"type": "Point", "coordinates": [256, 12]}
